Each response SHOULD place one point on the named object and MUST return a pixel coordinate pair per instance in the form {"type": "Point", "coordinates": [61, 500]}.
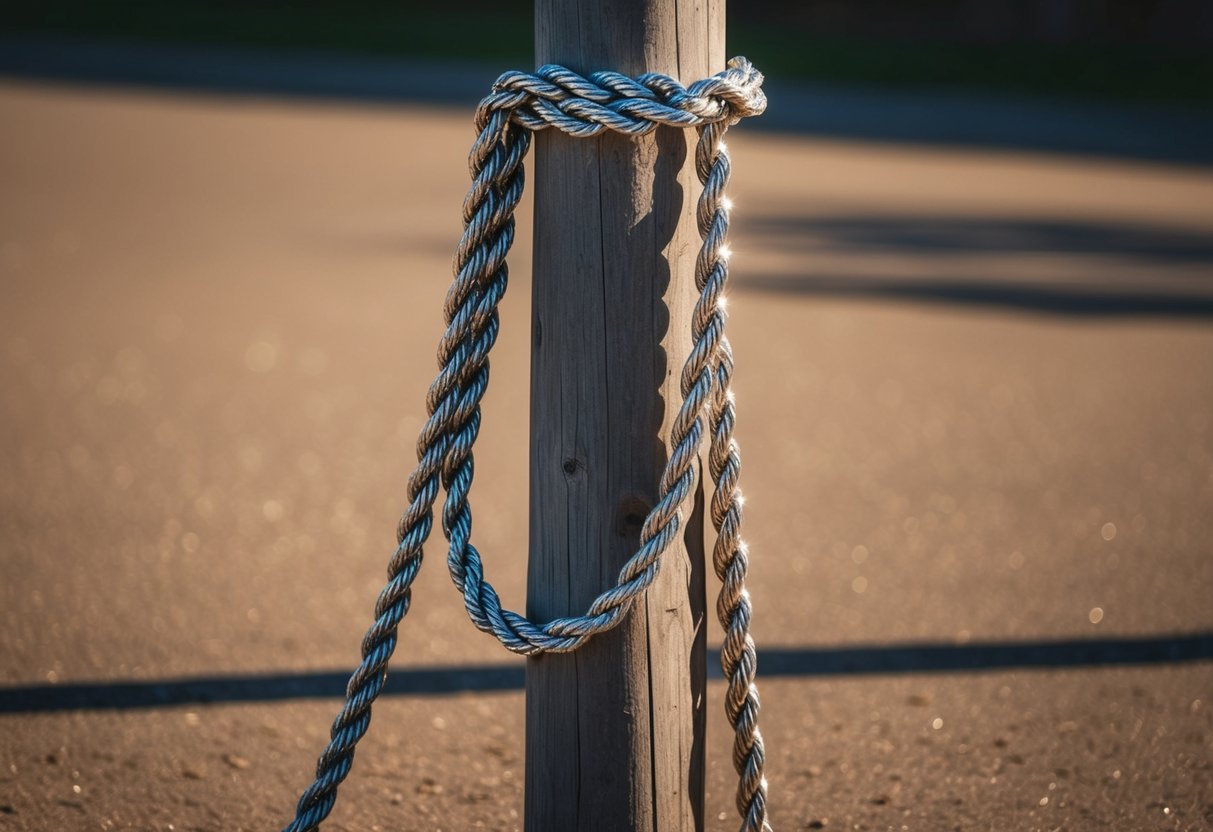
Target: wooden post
{"type": "Point", "coordinates": [615, 731]}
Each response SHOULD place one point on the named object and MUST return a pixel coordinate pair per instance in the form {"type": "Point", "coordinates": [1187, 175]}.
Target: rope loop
{"type": "Point", "coordinates": [519, 104]}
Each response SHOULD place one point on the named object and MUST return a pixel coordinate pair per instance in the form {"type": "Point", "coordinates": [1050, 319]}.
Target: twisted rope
{"type": "Point", "coordinates": [519, 104]}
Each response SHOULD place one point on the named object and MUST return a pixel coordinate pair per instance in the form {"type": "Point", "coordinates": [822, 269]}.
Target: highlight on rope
{"type": "Point", "coordinates": [519, 104]}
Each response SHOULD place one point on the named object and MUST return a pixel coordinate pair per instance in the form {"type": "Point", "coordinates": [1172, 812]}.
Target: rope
{"type": "Point", "coordinates": [519, 104]}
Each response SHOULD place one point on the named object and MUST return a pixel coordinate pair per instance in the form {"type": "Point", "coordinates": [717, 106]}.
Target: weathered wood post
{"type": "Point", "coordinates": [615, 731]}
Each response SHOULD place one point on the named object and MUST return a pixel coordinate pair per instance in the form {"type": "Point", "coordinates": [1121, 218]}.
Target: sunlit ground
{"type": "Point", "coordinates": [976, 410]}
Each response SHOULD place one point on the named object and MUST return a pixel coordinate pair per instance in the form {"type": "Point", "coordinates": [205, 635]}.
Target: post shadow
{"type": "Point", "coordinates": [776, 662]}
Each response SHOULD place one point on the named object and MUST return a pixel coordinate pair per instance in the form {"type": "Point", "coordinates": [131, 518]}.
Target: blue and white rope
{"type": "Point", "coordinates": [519, 104]}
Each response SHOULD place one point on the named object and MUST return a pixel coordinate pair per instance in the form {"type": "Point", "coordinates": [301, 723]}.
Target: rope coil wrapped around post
{"type": "Point", "coordinates": [519, 104]}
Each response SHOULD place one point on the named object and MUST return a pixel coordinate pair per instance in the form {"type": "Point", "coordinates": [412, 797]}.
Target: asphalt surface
{"type": "Point", "coordinates": [976, 409]}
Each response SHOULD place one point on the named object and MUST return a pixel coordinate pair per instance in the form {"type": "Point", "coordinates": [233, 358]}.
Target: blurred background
{"type": "Point", "coordinates": [971, 306]}
{"type": "Point", "coordinates": [1149, 50]}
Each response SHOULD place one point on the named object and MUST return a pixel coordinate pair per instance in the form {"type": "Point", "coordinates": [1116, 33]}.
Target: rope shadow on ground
{"type": "Point", "coordinates": [1104, 269]}
{"type": "Point", "coordinates": [1049, 300]}
{"type": "Point", "coordinates": [968, 234]}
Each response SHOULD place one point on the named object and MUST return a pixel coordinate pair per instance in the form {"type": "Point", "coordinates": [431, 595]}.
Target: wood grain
{"type": "Point", "coordinates": [615, 731]}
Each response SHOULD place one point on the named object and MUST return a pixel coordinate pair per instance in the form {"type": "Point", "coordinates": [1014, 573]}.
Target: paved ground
{"type": "Point", "coordinates": [976, 395]}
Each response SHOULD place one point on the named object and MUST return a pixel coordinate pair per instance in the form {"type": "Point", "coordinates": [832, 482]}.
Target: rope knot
{"type": "Point", "coordinates": [554, 96]}
{"type": "Point", "coordinates": [737, 90]}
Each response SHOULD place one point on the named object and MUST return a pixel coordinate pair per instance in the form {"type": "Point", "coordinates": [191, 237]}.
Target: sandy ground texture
{"type": "Point", "coordinates": [976, 406]}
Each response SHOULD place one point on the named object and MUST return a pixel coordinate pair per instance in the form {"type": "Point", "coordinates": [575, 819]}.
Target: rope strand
{"type": "Point", "coordinates": [519, 104]}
